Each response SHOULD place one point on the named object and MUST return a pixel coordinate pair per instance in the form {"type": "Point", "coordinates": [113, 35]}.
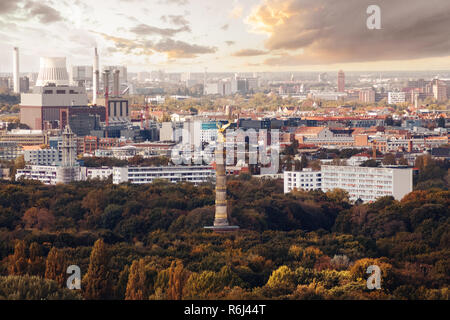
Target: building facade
{"type": "Point", "coordinates": [139, 175]}
{"type": "Point", "coordinates": [367, 183]}
{"type": "Point", "coordinates": [305, 179]}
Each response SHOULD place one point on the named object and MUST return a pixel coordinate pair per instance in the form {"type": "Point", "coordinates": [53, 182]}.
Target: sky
{"type": "Point", "coordinates": [228, 36]}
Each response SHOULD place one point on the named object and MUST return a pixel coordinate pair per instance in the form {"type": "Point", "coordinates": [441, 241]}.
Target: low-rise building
{"type": "Point", "coordinates": [194, 174]}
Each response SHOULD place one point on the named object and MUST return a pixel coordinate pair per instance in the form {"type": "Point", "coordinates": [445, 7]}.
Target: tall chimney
{"type": "Point", "coordinates": [16, 70]}
{"type": "Point", "coordinates": [106, 86]}
{"type": "Point", "coordinates": [95, 81]}
{"type": "Point", "coordinates": [116, 84]}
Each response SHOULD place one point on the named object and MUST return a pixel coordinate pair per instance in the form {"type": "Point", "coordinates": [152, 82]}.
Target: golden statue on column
{"type": "Point", "coordinates": [221, 215]}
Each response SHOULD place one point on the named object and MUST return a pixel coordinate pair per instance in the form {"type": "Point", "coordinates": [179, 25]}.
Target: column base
{"type": "Point", "coordinates": [221, 229]}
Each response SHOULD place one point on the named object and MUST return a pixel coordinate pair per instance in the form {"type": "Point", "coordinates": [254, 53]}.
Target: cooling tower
{"type": "Point", "coordinates": [53, 70]}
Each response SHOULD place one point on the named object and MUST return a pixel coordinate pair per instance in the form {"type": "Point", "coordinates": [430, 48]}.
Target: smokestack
{"type": "Point", "coordinates": [116, 84]}
{"type": "Point", "coordinates": [95, 81]}
{"type": "Point", "coordinates": [16, 70]}
{"type": "Point", "coordinates": [106, 86]}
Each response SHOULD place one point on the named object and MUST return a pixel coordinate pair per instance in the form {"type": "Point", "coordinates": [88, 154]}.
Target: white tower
{"type": "Point", "coordinates": [16, 70]}
{"type": "Point", "coordinates": [96, 78]}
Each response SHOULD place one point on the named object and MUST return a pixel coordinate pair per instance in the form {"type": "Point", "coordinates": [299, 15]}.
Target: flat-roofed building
{"type": "Point", "coordinates": [24, 137]}
{"type": "Point", "coordinates": [305, 179]}
{"type": "Point", "coordinates": [139, 175]}
{"type": "Point", "coordinates": [48, 106]}
{"type": "Point", "coordinates": [41, 156]}
{"type": "Point", "coordinates": [9, 150]}
{"type": "Point", "coordinates": [367, 183]}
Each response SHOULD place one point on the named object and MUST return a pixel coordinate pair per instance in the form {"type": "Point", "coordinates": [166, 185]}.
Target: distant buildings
{"type": "Point", "coordinates": [341, 81]}
{"type": "Point", "coordinates": [396, 97]}
{"type": "Point", "coordinates": [439, 90]}
{"type": "Point", "coordinates": [82, 76]}
{"type": "Point", "coordinates": [367, 96]}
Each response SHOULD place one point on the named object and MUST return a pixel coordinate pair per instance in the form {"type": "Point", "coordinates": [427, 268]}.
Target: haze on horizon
{"type": "Point", "coordinates": [246, 36]}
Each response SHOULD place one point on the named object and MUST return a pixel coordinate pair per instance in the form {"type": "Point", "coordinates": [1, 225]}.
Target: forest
{"type": "Point", "coordinates": [148, 242]}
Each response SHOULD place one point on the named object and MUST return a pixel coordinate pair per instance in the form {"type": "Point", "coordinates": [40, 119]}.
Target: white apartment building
{"type": "Point", "coordinates": [102, 173]}
{"type": "Point", "coordinates": [305, 179]}
{"type": "Point", "coordinates": [363, 183]}
{"type": "Point", "coordinates": [42, 157]}
{"type": "Point", "coordinates": [396, 97]}
{"type": "Point", "coordinates": [50, 174]}
{"type": "Point", "coordinates": [367, 183]}
{"type": "Point", "coordinates": [194, 174]}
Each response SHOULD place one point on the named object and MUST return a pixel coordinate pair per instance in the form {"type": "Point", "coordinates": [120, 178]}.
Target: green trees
{"type": "Point", "coordinates": [140, 281]}
{"type": "Point", "coordinates": [178, 277]}
{"type": "Point", "coordinates": [97, 283]}
{"type": "Point", "coordinates": [301, 245]}
{"type": "Point", "coordinates": [55, 266]}
{"type": "Point", "coordinates": [34, 288]}
{"type": "Point", "coordinates": [18, 264]}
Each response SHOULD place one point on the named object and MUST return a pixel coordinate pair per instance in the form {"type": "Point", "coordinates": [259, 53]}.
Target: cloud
{"type": "Point", "coordinates": [230, 43]}
{"type": "Point", "coordinates": [237, 12]}
{"type": "Point", "coordinates": [8, 6]}
{"type": "Point", "coordinates": [174, 49]}
{"type": "Point", "coordinates": [145, 30]}
{"type": "Point", "coordinates": [177, 2]}
{"type": "Point", "coordinates": [225, 27]}
{"type": "Point", "coordinates": [181, 49]}
{"type": "Point", "coordinates": [329, 31]}
{"type": "Point", "coordinates": [44, 13]}
{"type": "Point", "coordinates": [177, 20]}
{"type": "Point", "coordinates": [249, 53]}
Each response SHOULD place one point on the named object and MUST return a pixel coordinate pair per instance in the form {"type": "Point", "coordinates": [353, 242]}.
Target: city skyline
{"type": "Point", "coordinates": [257, 35]}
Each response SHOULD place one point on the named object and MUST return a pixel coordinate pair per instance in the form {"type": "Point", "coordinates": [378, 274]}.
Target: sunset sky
{"type": "Point", "coordinates": [248, 35]}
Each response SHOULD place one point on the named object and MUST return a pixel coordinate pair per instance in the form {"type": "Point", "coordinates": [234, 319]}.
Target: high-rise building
{"type": "Point", "coordinates": [82, 75]}
{"type": "Point", "coordinates": [341, 81]}
{"type": "Point", "coordinates": [24, 84]}
{"type": "Point", "coordinates": [439, 90]}
{"type": "Point", "coordinates": [396, 97]}
{"type": "Point", "coordinates": [367, 96]}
